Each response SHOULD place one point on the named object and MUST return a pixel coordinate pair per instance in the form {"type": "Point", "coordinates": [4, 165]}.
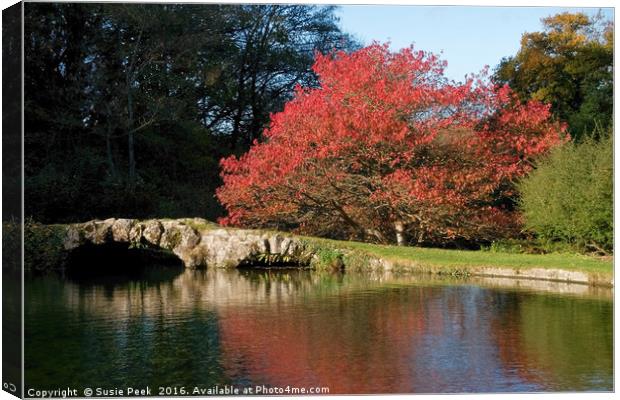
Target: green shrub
{"type": "Point", "coordinates": [513, 246]}
{"type": "Point", "coordinates": [43, 247]}
{"type": "Point", "coordinates": [11, 244]}
{"type": "Point", "coordinates": [569, 196]}
{"type": "Point", "coordinates": [328, 259]}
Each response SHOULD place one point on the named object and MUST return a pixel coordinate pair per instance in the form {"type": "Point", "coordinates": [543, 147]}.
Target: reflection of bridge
{"type": "Point", "coordinates": [181, 292]}
{"type": "Point", "coordinates": [195, 241]}
{"type": "Point", "coordinates": [194, 288]}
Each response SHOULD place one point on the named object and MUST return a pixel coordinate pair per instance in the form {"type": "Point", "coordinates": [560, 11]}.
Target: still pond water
{"type": "Point", "coordinates": [351, 333]}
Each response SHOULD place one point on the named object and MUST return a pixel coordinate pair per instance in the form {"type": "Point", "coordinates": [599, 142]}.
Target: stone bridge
{"type": "Point", "coordinates": [195, 241]}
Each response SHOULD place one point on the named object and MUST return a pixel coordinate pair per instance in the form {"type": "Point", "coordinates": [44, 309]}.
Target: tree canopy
{"type": "Point", "coordinates": [569, 65]}
{"type": "Point", "coordinates": [129, 107]}
{"type": "Point", "coordinates": [387, 149]}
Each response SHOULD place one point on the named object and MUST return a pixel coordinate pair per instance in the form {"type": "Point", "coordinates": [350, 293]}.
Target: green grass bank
{"type": "Point", "coordinates": [554, 266]}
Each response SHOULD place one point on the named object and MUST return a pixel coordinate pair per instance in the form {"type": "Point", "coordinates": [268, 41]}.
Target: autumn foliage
{"type": "Point", "coordinates": [387, 149]}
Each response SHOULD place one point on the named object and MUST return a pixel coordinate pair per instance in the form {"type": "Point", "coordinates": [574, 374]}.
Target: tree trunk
{"type": "Point", "coordinates": [129, 79]}
{"type": "Point", "coordinates": [132, 162]}
{"type": "Point", "coordinates": [376, 234]}
{"type": "Point", "coordinates": [110, 158]}
{"type": "Point", "coordinates": [399, 227]}
{"type": "Point", "coordinates": [130, 141]}
{"type": "Point", "coordinates": [240, 105]}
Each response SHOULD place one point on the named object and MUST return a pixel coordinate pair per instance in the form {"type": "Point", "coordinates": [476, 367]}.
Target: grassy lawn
{"type": "Point", "coordinates": [466, 258]}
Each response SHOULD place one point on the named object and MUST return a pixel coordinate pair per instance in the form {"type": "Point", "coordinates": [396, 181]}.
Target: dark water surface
{"type": "Point", "coordinates": [352, 333]}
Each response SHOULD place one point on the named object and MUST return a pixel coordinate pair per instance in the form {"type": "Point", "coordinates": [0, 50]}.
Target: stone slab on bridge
{"type": "Point", "coordinates": [195, 241]}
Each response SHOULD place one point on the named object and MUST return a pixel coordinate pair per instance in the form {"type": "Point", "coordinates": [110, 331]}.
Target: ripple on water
{"type": "Point", "coordinates": [354, 333]}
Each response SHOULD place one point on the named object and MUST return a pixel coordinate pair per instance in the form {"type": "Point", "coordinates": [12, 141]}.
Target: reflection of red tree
{"type": "Point", "coordinates": [367, 348]}
{"type": "Point", "coordinates": [507, 333]}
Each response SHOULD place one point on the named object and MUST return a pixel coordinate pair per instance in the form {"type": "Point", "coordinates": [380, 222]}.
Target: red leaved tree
{"type": "Point", "coordinates": [387, 149]}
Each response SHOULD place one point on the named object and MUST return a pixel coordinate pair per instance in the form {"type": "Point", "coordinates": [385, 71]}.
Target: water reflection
{"type": "Point", "coordinates": [353, 333]}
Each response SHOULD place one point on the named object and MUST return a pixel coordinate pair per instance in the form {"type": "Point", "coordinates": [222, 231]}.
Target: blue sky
{"type": "Point", "coordinates": [470, 37]}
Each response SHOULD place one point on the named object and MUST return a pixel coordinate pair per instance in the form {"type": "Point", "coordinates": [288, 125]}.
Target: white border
{"type": "Point", "coordinates": [481, 3]}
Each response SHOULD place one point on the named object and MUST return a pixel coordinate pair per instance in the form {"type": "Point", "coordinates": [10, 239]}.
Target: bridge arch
{"type": "Point", "coordinates": [196, 242]}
